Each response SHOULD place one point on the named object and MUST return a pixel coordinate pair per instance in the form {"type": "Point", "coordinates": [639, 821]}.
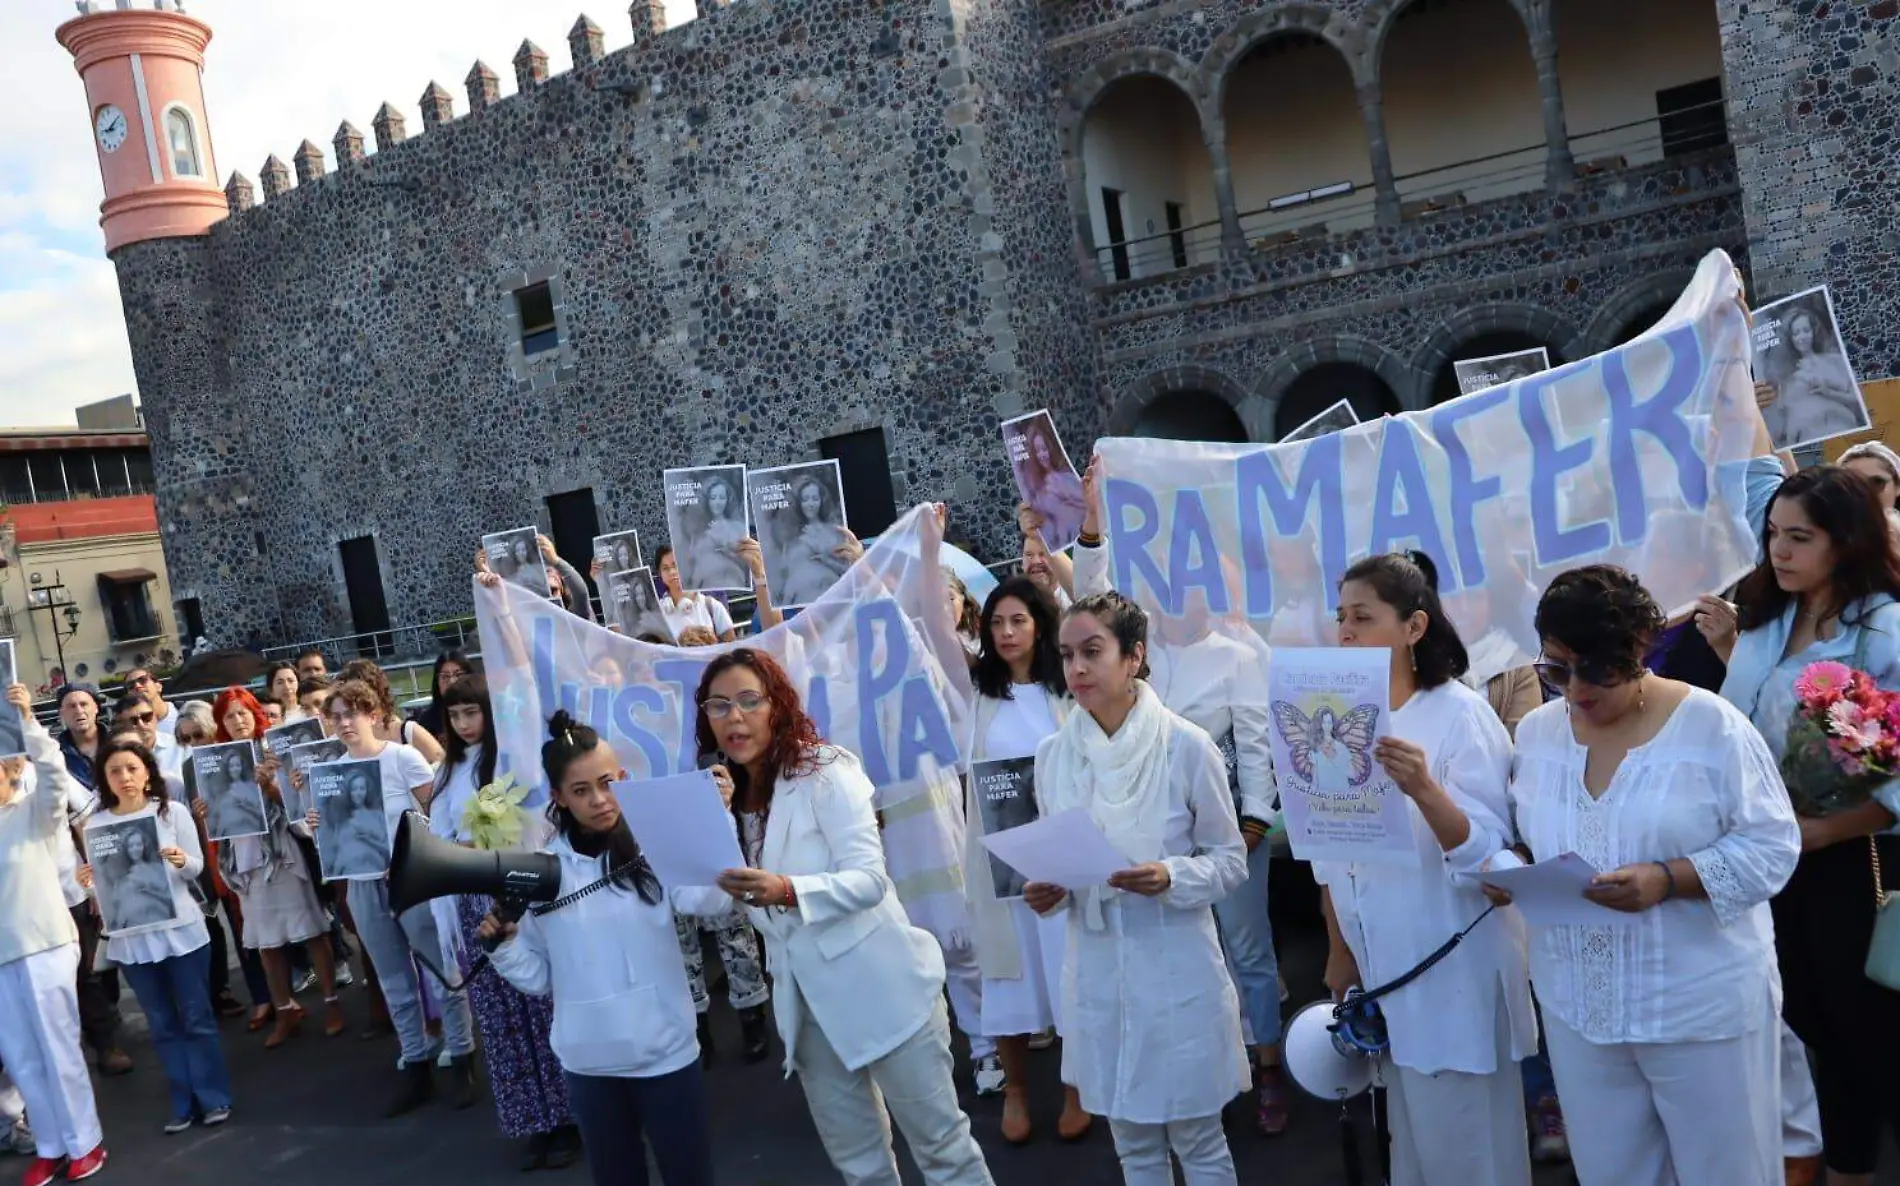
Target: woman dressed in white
{"type": "Point", "coordinates": [1455, 1095]}
{"type": "Point", "coordinates": [1151, 1021]}
{"type": "Point", "coordinates": [1662, 1026]}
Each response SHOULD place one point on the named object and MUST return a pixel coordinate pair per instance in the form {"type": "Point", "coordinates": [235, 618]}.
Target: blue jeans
{"type": "Point", "coordinates": [669, 1109]}
{"type": "Point", "coordinates": [176, 996]}
{"type": "Point", "coordinates": [1246, 932]}
{"type": "Point", "coordinates": [388, 943]}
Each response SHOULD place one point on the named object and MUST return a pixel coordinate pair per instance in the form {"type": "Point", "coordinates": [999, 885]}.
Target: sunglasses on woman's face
{"type": "Point", "coordinates": [1557, 676]}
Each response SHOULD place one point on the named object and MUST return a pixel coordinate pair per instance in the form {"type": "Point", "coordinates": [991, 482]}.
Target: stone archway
{"type": "Point", "coordinates": [1634, 308]}
{"type": "Point", "coordinates": [1185, 403]}
{"type": "Point", "coordinates": [1483, 330]}
{"type": "Point", "coordinates": [1368, 373]}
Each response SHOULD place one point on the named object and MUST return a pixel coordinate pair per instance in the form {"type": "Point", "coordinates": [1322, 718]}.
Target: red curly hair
{"type": "Point", "coordinates": [243, 699]}
{"type": "Point", "coordinates": [793, 749]}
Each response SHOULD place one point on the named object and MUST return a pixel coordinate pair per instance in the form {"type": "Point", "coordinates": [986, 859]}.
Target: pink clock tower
{"type": "Point", "coordinates": [143, 69]}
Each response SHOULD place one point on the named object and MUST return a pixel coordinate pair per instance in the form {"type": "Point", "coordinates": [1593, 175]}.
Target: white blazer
{"type": "Point", "coordinates": [847, 951]}
{"type": "Point", "coordinates": [612, 964]}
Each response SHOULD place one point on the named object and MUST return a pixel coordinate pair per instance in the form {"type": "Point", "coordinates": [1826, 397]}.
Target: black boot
{"type": "Point", "coordinates": [705, 1040]}
{"type": "Point", "coordinates": [462, 1082]}
{"type": "Point", "coordinates": [418, 1085]}
{"type": "Point", "coordinates": [565, 1147]}
{"type": "Point", "coordinates": [536, 1155]}
{"type": "Point", "coordinates": [755, 1026]}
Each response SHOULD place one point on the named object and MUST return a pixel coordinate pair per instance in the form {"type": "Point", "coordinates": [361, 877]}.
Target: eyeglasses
{"type": "Point", "coordinates": [1557, 676]}
{"type": "Point", "coordinates": [718, 708]}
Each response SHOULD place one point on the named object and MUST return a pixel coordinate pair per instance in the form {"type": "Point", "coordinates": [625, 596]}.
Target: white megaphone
{"type": "Point", "coordinates": [1325, 1065]}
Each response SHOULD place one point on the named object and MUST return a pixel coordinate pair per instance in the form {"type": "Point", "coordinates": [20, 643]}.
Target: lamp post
{"type": "Point", "coordinates": [51, 603]}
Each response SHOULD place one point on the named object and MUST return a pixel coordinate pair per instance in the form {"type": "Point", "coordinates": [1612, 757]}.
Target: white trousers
{"type": "Point", "coordinates": [963, 979]}
{"type": "Point", "coordinates": [1456, 1129]}
{"type": "Point", "coordinates": [914, 1081]}
{"type": "Point", "coordinates": [1800, 1107]}
{"type": "Point", "coordinates": [1671, 1114]}
{"type": "Point", "coordinates": [39, 1043]}
{"type": "Point", "coordinates": [1200, 1144]}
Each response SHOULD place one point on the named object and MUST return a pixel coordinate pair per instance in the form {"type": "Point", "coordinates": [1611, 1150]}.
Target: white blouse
{"type": "Point", "coordinates": [1392, 917]}
{"type": "Point", "coordinates": [1704, 788]}
{"type": "Point", "coordinates": [187, 933]}
{"type": "Point", "coordinates": [450, 801]}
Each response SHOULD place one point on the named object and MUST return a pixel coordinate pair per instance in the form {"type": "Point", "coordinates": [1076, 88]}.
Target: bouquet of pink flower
{"type": "Point", "coordinates": [1843, 740]}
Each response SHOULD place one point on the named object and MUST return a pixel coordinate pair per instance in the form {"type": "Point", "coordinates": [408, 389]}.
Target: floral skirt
{"type": "Point", "coordinates": [530, 1092]}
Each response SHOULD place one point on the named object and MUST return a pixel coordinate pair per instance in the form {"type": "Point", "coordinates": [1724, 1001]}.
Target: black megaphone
{"type": "Point", "coordinates": [425, 866]}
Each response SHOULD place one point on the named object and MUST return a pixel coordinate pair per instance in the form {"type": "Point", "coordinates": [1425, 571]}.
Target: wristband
{"type": "Point", "coordinates": [1085, 540]}
{"type": "Point", "coordinates": [790, 893]}
{"type": "Point", "coordinates": [1667, 872]}
{"type": "Point", "coordinates": [1250, 825]}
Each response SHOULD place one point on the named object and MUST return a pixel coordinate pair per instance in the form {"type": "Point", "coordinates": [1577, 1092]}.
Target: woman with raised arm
{"type": "Point", "coordinates": [859, 990]}
{"type": "Point", "coordinates": [1151, 1023]}
{"type": "Point", "coordinates": [1456, 1100]}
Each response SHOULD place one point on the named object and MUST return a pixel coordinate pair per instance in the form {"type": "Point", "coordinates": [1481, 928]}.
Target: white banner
{"type": "Point", "coordinates": [875, 660]}
{"type": "Point", "coordinates": [1634, 457]}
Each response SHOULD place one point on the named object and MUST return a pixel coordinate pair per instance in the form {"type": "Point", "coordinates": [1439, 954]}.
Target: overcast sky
{"type": "Point", "coordinates": [277, 72]}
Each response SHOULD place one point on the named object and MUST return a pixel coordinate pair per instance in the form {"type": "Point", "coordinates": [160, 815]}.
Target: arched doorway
{"type": "Point", "coordinates": [1323, 386]}
{"type": "Point", "coordinates": [1294, 131]}
{"type": "Point", "coordinates": [1150, 182]}
{"type": "Point", "coordinates": [1641, 321]}
{"type": "Point", "coordinates": [1486, 345]}
{"type": "Point", "coordinates": [1191, 415]}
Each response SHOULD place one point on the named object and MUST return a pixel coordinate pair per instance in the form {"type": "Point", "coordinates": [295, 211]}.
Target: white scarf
{"type": "Point", "coordinates": [1122, 781]}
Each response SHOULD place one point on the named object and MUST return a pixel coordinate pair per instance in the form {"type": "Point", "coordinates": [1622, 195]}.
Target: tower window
{"type": "Point", "coordinates": [181, 136]}
{"type": "Point", "coordinates": [539, 332]}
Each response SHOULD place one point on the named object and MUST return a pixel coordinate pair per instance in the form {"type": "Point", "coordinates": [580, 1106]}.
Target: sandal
{"type": "Point", "coordinates": [260, 1017]}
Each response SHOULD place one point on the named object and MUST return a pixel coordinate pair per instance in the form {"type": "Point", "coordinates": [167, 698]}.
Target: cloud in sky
{"type": "Point", "coordinates": [276, 74]}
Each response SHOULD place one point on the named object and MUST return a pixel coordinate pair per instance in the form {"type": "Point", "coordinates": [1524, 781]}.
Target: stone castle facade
{"type": "Point", "coordinates": [791, 219]}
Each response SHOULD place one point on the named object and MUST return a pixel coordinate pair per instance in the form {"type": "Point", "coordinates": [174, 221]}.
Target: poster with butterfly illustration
{"type": "Point", "coordinates": [1329, 709]}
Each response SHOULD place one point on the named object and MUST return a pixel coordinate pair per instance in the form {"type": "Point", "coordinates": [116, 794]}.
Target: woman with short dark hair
{"type": "Point", "coordinates": [1662, 1026]}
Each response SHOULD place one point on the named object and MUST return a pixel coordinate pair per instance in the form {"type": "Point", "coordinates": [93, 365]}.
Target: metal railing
{"type": "Point", "coordinates": [424, 640]}
{"type": "Point", "coordinates": [1350, 205]}
{"type": "Point", "coordinates": [17, 493]}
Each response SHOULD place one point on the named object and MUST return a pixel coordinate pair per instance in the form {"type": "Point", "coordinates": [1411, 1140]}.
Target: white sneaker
{"type": "Point", "coordinates": [344, 978]}
{"type": "Point", "coordinates": [302, 984]}
{"type": "Point", "coordinates": [990, 1079]}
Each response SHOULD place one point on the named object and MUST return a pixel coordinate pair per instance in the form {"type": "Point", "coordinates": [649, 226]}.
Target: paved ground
{"type": "Point", "coordinates": [309, 1114]}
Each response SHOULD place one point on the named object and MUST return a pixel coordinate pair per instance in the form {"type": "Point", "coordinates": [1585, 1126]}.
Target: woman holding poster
{"type": "Point", "coordinates": [169, 967]}
{"type": "Point", "coordinates": [1021, 699]}
{"type": "Point", "coordinates": [1455, 1097]}
{"type": "Point", "coordinates": [1151, 1022]}
{"type": "Point", "coordinates": [1661, 1019]}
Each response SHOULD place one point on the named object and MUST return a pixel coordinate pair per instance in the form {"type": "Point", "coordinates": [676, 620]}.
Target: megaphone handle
{"type": "Point", "coordinates": [506, 910]}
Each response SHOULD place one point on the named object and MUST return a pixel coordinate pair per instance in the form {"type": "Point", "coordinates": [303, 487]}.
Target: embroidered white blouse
{"type": "Point", "coordinates": [1705, 788]}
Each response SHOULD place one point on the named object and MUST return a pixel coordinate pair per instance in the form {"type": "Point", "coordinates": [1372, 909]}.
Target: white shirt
{"type": "Point", "coordinates": [1394, 917]}
{"type": "Point", "coordinates": [168, 724]}
{"type": "Point", "coordinates": [1705, 788]}
{"type": "Point", "coordinates": [186, 933]}
{"type": "Point", "coordinates": [403, 770]}
{"type": "Point", "coordinates": [451, 798]}
{"type": "Point", "coordinates": [1020, 723]}
{"type": "Point", "coordinates": [34, 916]}
{"type": "Point", "coordinates": [696, 609]}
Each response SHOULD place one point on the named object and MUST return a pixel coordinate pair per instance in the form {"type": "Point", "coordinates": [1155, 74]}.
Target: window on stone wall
{"type": "Point", "coordinates": [1691, 117]}
{"type": "Point", "coordinates": [539, 333]}
{"type": "Point", "coordinates": [127, 598]}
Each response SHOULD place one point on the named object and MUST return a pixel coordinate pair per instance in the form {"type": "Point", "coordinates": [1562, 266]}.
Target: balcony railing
{"type": "Point", "coordinates": [1351, 204]}
{"type": "Point", "coordinates": [20, 493]}
{"type": "Point", "coordinates": [7, 628]}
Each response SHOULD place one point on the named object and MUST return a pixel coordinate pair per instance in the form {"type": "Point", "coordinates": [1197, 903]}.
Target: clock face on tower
{"type": "Point", "coordinates": [111, 127]}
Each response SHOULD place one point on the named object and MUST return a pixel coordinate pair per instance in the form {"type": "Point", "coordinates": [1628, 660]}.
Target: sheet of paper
{"type": "Point", "coordinates": [685, 831]}
{"type": "Point", "coordinates": [1065, 849]}
{"type": "Point", "coordinates": [1550, 893]}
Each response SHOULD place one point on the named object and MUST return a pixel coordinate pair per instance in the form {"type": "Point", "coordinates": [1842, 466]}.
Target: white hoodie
{"type": "Point", "coordinates": [612, 963]}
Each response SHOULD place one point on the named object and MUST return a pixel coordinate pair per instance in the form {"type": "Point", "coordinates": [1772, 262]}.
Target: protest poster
{"type": "Point", "coordinates": [353, 842]}
{"type": "Point", "coordinates": [618, 552]}
{"type": "Point", "coordinates": [892, 695]}
{"type": "Point", "coordinates": [515, 557]}
{"type": "Point", "coordinates": [1476, 374]}
{"type": "Point", "coordinates": [226, 779]}
{"type": "Point", "coordinates": [1045, 478]}
{"type": "Point", "coordinates": [299, 761]}
{"type": "Point", "coordinates": [1804, 382]}
{"type": "Point", "coordinates": [1005, 794]}
{"type": "Point", "coordinates": [1634, 457]}
{"type": "Point", "coordinates": [633, 605]}
{"type": "Point", "coordinates": [798, 513]}
{"type": "Point", "coordinates": [706, 522]}
{"type": "Point", "coordinates": [131, 881]}
{"type": "Point", "coordinates": [12, 728]}
{"type": "Point", "coordinates": [1329, 708]}
{"type": "Point", "coordinates": [1337, 418]}
{"type": "Point", "coordinates": [685, 831]}
{"type": "Point", "coordinates": [279, 741]}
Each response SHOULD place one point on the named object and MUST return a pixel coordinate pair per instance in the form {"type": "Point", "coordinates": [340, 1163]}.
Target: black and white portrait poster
{"type": "Point", "coordinates": [132, 882]}
{"type": "Point", "coordinates": [1476, 374]}
{"type": "Point", "coordinates": [515, 557]}
{"type": "Point", "coordinates": [1334, 419]}
{"type": "Point", "coordinates": [1005, 798]}
{"type": "Point", "coordinates": [279, 741]}
{"type": "Point", "coordinates": [12, 728]}
{"type": "Point", "coordinates": [619, 552]}
{"type": "Point", "coordinates": [1803, 381]}
{"type": "Point", "coordinates": [706, 520]}
{"type": "Point", "coordinates": [299, 761]}
{"type": "Point", "coordinates": [633, 605]}
{"type": "Point", "coordinates": [352, 831]}
{"type": "Point", "coordinates": [226, 775]}
{"type": "Point", "coordinates": [798, 512]}
{"type": "Point", "coordinates": [1045, 478]}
